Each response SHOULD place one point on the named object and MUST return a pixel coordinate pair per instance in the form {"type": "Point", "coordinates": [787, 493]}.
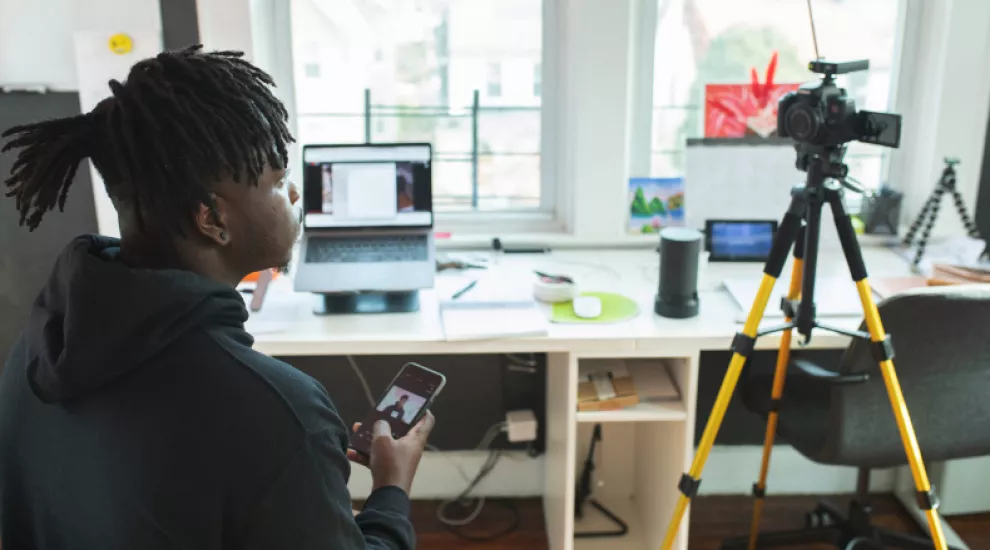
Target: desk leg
{"type": "Point", "coordinates": [561, 434]}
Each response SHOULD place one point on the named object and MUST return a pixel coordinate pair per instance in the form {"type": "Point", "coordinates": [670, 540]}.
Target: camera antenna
{"type": "Point", "coordinates": [814, 35]}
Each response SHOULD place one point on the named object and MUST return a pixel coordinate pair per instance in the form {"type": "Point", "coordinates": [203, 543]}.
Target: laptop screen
{"type": "Point", "coordinates": [368, 186]}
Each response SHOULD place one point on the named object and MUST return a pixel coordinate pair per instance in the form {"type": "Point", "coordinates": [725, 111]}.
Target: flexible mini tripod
{"type": "Point", "coordinates": [803, 220]}
{"type": "Point", "coordinates": [929, 212]}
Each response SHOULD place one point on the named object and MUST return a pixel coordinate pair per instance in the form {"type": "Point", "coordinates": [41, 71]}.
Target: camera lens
{"type": "Point", "coordinates": [802, 122]}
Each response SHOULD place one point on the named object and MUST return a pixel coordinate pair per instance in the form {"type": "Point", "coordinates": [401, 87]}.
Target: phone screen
{"type": "Point", "coordinates": [404, 403]}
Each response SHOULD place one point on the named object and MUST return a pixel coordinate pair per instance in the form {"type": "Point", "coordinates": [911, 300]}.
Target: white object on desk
{"type": "Point", "coordinates": [587, 307]}
{"type": "Point", "coordinates": [498, 306]}
{"type": "Point", "coordinates": [553, 292]}
{"type": "Point", "coordinates": [481, 321]}
{"type": "Point", "coordinates": [834, 296]}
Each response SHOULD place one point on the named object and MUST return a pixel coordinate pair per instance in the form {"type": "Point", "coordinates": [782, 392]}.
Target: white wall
{"type": "Point", "coordinates": [36, 36]}
{"type": "Point", "coordinates": [24, 59]}
{"type": "Point", "coordinates": [596, 79]}
{"type": "Point", "coordinates": [226, 25]}
{"type": "Point", "coordinates": [944, 94]}
{"type": "Point", "coordinates": [37, 48]}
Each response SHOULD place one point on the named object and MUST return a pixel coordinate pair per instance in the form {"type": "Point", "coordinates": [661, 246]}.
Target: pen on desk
{"type": "Point", "coordinates": [464, 290]}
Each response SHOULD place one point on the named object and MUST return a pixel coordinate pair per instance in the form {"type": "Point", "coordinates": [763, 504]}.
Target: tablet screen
{"type": "Point", "coordinates": [740, 240]}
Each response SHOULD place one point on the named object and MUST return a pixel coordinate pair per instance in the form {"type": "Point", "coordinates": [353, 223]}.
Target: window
{"type": "Point", "coordinates": [442, 71]}
{"type": "Point", "coordinates": [703, 42]}
{"type": "Point", "coordinates": [537, 80]}
{"type": "Point", "coordinates": [312, 70]}
{"type": "Point", "coordinates": [494, 79]}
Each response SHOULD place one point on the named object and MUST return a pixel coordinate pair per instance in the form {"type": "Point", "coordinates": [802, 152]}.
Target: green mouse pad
{"type": "Point", "coordinates": [615, 308]}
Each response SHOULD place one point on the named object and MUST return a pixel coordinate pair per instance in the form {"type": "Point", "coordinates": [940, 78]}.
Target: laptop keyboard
{"type": "Point", "coordinates": [413, 248]}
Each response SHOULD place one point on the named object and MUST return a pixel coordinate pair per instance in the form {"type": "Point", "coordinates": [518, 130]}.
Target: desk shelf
{"type": "Point", "coordinates": [641, 412]}
{"type": "Point", "coordinates": [637, 466]}
{"type": "Point", "coordinates": [644, 450]}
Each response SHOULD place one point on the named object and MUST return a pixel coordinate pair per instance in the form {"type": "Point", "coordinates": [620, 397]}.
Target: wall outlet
{"type": "Point", "coordinates": [521, 426]}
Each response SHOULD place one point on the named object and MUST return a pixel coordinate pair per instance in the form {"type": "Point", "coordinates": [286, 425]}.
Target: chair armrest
{"type": "Point", "coordinates": [811, 370]}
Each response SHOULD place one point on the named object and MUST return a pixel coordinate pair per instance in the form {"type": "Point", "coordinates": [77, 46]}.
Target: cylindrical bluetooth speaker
{"type": "Point", "coordinates": [680, 250]}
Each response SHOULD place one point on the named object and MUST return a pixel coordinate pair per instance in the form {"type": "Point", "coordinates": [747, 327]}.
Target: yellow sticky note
{"type": "Point", "coordinates": [121, 44]}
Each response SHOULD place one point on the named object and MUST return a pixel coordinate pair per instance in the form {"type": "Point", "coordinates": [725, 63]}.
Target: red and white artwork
{"type": "Point", "coordinates": [738, 110]}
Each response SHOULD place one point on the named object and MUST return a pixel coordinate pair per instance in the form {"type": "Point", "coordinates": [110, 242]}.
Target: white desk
{"type": "Point", "coordinates": [662, 440]}
{"type": "Point", "coordinates": [286, 325]}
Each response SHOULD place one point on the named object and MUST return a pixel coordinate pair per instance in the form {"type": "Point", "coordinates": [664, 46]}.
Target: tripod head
{"type": "Point", "coordinates": [948, 179]}
{"type": "Point", "coordinates": [823, 163]}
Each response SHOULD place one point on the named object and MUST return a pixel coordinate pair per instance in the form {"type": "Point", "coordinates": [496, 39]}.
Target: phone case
{"type": "Point", "coordinates": [426, 405]}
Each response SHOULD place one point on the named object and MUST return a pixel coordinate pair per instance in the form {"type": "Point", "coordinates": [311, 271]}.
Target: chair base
{"type": "Point", "coordinates": [826, 524]}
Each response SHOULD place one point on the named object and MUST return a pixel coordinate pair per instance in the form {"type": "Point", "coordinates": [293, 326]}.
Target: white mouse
{"type": "Point", "coordinates": [587, 307]}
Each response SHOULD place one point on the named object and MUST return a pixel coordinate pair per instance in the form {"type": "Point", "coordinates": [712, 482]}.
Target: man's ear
{"type": "Point", "coordinates": [212, 222]}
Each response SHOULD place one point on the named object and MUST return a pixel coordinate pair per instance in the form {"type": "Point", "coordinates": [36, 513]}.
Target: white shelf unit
{"type": "Point", "coordinates": [641, 412]}
{"type": "Point", "coordinates": [643, 452]}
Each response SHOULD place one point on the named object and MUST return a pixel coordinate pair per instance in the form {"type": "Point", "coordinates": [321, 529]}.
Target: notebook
{"type": "Point", "coordinates": [494, 308]}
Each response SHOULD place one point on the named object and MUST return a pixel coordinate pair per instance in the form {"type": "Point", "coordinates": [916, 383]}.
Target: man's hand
{"type": "Point", "coordinates": [394, 461]}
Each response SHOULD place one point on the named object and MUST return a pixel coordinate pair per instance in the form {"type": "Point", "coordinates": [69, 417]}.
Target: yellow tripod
{"type": "Point", "coordinates": [803, 219]}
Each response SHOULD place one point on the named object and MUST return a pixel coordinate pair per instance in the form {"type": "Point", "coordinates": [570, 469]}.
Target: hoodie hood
{"type": "Point", "coordinates": [97, 319]}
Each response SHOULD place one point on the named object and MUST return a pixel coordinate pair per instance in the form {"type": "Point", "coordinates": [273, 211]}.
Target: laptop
{"type": "Point", "coordinates": [368, 223]}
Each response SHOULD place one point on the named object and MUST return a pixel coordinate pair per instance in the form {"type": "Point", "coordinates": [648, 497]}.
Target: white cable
{"type": "Point", "coordinates": [521, 361]}
{"type": "Point", "coordinates": [479, 503]}
{"type": "Point", "coordinates": [364, 381]}
{"type": "Point", "coordinates": [485, 442]}
{"type": "Point", "coordinates": [457, 464]}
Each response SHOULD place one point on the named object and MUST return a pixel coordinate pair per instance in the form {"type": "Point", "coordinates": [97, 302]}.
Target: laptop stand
{"type": "Point", "coordinates": [344, 303]}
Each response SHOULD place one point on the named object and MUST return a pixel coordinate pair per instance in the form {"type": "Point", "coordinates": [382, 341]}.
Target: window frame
{"type": "Point", "coordinates": [538, 81]}
{"type": "Point", "coordinates": [645, 40]}
{"type": "Point", "coordinates": [493, 79]}
{"type": "Point", "coordinates": [550, 215]}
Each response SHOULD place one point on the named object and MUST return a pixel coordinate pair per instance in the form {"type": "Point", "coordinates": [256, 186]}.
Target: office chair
{"type": "Point", "coordinates": [843, 416]}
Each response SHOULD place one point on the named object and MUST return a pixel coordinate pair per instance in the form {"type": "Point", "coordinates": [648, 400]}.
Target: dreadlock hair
{"type": "Point", "coordinates": [180, 121]}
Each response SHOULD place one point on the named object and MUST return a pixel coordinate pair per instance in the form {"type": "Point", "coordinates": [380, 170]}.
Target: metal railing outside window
{"type": "Point", "coordinates": [463, 139]}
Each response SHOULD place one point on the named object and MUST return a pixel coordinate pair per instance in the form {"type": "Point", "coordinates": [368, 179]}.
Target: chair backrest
{"type": "Point", "coordinates": [941, 338]}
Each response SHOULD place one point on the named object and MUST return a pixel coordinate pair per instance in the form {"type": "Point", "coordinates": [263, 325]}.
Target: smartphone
{"type": "Point", "coordinates": [404, 403]}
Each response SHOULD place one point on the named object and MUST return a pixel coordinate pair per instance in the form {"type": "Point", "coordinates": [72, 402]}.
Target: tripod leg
{"type": "Point", "coordinates": [916, 224]}
{"type": "Point", "coordinates": [932, 216]}
{"type": "Point", "coordinates": [884, 353]}
{"type": "Point", "coordinates": [742, 345]}
{"type": "Point", "coordinates": [776, 393]}
{"type": "Point", "coordinates": [964, 215]}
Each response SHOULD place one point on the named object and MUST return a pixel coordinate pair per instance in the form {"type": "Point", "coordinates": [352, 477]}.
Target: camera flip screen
{"type": "Point", "coordinates": [880, 128]}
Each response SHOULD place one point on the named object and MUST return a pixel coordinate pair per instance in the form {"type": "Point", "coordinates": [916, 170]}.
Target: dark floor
{"type": "Point", "coordinates": [712, 519]}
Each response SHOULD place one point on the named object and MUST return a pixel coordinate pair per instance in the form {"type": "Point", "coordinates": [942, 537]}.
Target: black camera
{"type": "Point", "coordinates": [821, 114]}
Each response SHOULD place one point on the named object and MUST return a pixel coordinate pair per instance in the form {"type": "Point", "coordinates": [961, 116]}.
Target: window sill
{"type": "Point", "coordinates": [497, 223]}
{"type": "Point", "coordinates": [554, 241]}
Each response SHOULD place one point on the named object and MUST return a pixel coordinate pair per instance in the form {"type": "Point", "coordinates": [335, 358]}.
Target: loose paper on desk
{"type": "Point", "coordinates": [960, 251]}
{"type": "Point", "coordinates": [834, 296]}
{"type": "Point", "coordinates": [500, 305]}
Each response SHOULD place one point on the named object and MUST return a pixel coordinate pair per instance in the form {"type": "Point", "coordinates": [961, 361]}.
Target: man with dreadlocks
{"type": "Point", "coordinates": [133, 411]}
